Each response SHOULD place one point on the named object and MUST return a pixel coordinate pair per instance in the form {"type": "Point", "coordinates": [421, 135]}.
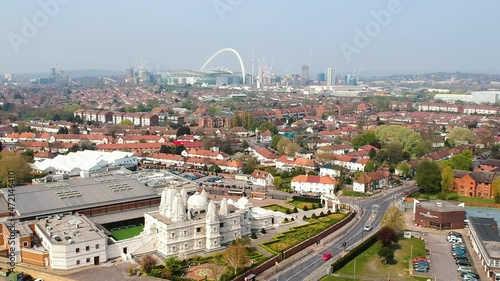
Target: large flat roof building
{"type": "Point", "coordinates": [485, 240]}
{"type": "Point", "coordinates": [93, 196]}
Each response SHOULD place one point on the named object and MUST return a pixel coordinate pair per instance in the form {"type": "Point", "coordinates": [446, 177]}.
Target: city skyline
{"type": "Point", "coordinates": [381, 37]}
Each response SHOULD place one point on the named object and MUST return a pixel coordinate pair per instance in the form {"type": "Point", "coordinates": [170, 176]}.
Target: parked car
{"type": "Point", "coordinates": [419, 259]}
{"type": "Point", "coordinates": [327, 256]}
{"type": "Point", "coordinates": [461, 262]}
{"type": "Point", "coordinates": [249, 182]}
{"type": "Point", "coordinates": [470, 274]}
{"type": "Point", "coordinates": [420, 264]}
{"type": "Point", "coordinates": [422, 269]}
{"type": "Point", "coordinates": [368, 227]}
{"type": "Point", "coordinates": [463, 269]}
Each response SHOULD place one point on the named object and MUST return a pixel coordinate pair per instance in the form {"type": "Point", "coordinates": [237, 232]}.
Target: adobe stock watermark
{"type": "Point", "coordinates": [224, 6]}
{"type": "Point", "coordinates": [363, 37]}
{"type": "Point", "coordinates": [31, 26]}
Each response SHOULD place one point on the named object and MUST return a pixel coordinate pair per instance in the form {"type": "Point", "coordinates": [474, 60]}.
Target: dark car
{"type": "Point", "coordinates": [463, 263]}
{"type": "Point", "coordinates": [422, 269]}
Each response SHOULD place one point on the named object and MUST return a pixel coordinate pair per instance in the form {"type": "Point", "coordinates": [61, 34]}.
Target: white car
{"type": "Point", "coordinates": [464, 269]}
{"type": "Point", "coordinates": [368, 227]}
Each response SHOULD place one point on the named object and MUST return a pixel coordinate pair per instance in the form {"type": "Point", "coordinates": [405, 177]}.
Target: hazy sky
{"type": "Point", "coordinates": [420, 36]}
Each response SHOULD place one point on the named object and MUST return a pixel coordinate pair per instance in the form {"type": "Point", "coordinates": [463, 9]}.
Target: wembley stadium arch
{"type": "Point", "coordinates": [228, 50]}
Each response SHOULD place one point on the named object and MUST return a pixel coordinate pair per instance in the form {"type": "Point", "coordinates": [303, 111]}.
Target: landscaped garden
{"type": "Point", "coordinates": [279, 208]}
{"type": "Point", "coordinates": [370, 265]}
{"type": "Point", "coordinates": [125, 233]}
{"type": "Point", "coordinates": [305, 203]}
{"type": "Point", "coordinates": [452, 196]}
{"type": "Point", "coordinates": [298, 234]}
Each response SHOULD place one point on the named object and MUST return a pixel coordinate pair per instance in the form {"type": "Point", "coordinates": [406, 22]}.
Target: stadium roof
{"type": "Point", "coordinates": [72, 195]}
{"type": "Point", "coordinates": [87, 160]}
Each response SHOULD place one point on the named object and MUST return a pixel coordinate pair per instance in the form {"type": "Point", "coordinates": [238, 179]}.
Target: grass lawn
{"type": "Point", "coordinates": [368, 264]}
{"type": "Point", "coordinates": [353, 193]}
{"type": "Point", "coordinates": [454, 196]}
{"type": "Point", "coordinates": [279, 208]}
{"type": "Point", "coordinates": [300, 204]}
{"type": "Point", "coordinates": [126, 233]}
{"type": "Point", "coordinates": [295, 235]}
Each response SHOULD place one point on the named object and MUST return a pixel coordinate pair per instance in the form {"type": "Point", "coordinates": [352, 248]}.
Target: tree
{"type": "Point", "coordinates": [422, 148]}
{"type": "Point", "coordinates": [496, 189]}
{"type": "Point", "coordinates": [126, 122]}
{"type": "Point", "coordinates": [278, 181]}
{"type": "Point", "coordinates": [428, 176]}
{"type": "Point", "coordinates": [447, 180]}
{"type": "Point", "coordinates": [405, 137]}
{"type": "Point", "coordinates": [462, 161]}
{"type": "Point", "coordinates": [370, 166]}
{"type": "Point", "coordinates": [372, 153]}
{"type": "Point", "coordinates": [173, 264]}
{"type": "Point", "coordinates": [386, 253]}
{"type": "Point", "coordinates": [147, 263]}
{"type": "Point", "coordinates": [235, 256]}
{"type": "Point", "coordinates": [404, 169]}
{"type": "Point", "coordinates": [217, 270]}
{"type": "Point", "coordinates": [275, 140]}
{"type": "Point", "coordinates": [249, 165]}
{"type": "Point", "coordinates": [287, 146]}
{"type": "Point", "coordinates": [394, 219]}
{"type": "Point", "coordinates": [1, 146]}
{"type": "Point", "coordinates": [495, 151]}
{"type": "Point", "coordinates": [215, 169]}
{"type": "Point", "coordinates": [386, 236]}
{"type": "Point", "coordinates": [268, 125]}
{"type": "Point", "coordinates": [364, 139]}
{"type": "Point", "coordinates": [461, 135]}
{"type": "Point", "coordinates": [184, 130]}
{"type": "Point", "coordinates": [62, 130]}
{"type": "Point", "coordinates": [19, 164]}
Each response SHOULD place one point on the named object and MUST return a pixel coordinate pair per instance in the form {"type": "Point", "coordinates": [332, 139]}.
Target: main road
{"type": "Point", "coordinates": [374, 209]}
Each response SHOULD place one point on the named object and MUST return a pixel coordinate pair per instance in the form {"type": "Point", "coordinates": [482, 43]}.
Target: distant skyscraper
{"type": "Point", "coordinates": [305, 75]}
{"type": "Point", "coordinates": [8, 77]}
{"type": "Point", "coordinates": [330, 79]}
{"type": "Point", "coordinates": [129, 72]}
{"type": "Point", "coordinates": [321, 77]}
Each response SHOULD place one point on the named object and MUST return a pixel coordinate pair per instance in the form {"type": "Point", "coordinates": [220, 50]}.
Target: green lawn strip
{"type": "Point", "coordinates": [455, 197]}
{"type": "Point", "coordinates": [353, 193]}
{"type": "Point", "coordinates": [295, 235]}
{"type": "Point", "coordinates": [369, 264]}
{"type": "Point", "coordinates": [126, 233]}
{"type": "Point", "coordinates": [278, 208]}
{"type": "Point", "coordinates": [301, 204]}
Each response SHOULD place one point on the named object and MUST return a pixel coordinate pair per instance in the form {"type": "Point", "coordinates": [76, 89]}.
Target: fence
{"type": "Point", "coordinates": [295, 249]}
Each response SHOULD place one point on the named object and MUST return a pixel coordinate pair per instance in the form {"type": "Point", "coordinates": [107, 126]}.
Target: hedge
{"type": "Point", "coordinates": [337, 265]}
{"type": "Point", "coordinates": [307, 199]}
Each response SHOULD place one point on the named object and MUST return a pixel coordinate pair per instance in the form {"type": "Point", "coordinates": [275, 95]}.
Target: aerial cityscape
{"type": "Point", "coordinates": [249, 140]}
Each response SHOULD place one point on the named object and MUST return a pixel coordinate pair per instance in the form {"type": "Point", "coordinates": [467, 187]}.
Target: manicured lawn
{"type": "Point", "coordinates": [300, 204]}
{"type": "Point", "coordinates": [278, 208]}
{"type": "Point", "coordinates": [368, 264]}
{"type": "Point", "coordinates": [126, 233]}
{"type": "Point", "coordinates": [353, 193]}
{"type": "Point", "coordinates": [295, 235]}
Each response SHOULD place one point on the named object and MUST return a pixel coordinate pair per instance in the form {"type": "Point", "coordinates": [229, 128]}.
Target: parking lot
{"type": "Point", "coordinates": [442, 263]}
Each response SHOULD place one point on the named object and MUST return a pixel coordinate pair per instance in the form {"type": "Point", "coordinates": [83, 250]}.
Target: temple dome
{"type": "Point", "coordinates": [196, 201]}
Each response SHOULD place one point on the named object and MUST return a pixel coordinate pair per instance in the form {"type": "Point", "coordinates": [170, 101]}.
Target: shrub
{"type": "Point", "coordinates": [263, 231]}
{"type": "Point", "coordinates": [130, 271]}
{"type": "Point", "coordinates": [313, 216]}
{"type": "Point", "coordinates": [304, 217]}
{"type": "Point", "coordinates": [329, 212]}
{"type": "Point", "coordinates": [287, 211]}
{"type": "Point", "coordinates": [305, 208]}
{"type": "Point", "coordinates": [441, 195]}
{"type": "Point", "coordinates": [321, 214]}
{"type": "Point", "coordinates": [295, 210]}
{"type": "Point", "coordinates": [285, 220]}
{"type": "Point", "coordinates": [453, 197]}
{"type": "Point", "coordinates": [253, 235]}
{"type": "Point", "coordinates": [292, 219]}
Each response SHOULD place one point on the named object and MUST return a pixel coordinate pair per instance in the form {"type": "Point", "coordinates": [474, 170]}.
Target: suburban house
{"type": "Point", "coordinates": [317, 184]}
{"type": "Point", "coordinates": [352, 164]}
{"type": "Point", "coordinates": [330, 170]}
{"type": "Point", "coordinates": [203, 153]}
{"type": "Point", "coordinates": [266, 137]}
{"type": "Point", "coordinates": [490, 165]}
{"type": "Point", "coordinates": [288, 163]}
{"type": "Point", "coordinates": [368, 182]}
{"type": "Point", "coordinates": [264, 156]}
{"type": "Point", "coordinates": [261, 178]}
{"type": "Point", "coordinates": [166, 159]}
{"type": "Point", "coordinates": [240, 132]}
{"type": "Point", "coordinates": [474, 184]}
